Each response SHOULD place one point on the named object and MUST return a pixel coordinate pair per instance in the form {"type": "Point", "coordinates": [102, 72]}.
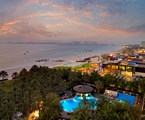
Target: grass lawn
{"type": "Point", "coordinates": [87, 65]}
{"type": "Point", "coordinates": [62, 67]}
{"type": "Point", "coordinates": [6, 87]}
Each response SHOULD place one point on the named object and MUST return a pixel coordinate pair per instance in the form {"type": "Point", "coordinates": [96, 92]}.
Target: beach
{"type": "Point", "coordinates": [15, 57]}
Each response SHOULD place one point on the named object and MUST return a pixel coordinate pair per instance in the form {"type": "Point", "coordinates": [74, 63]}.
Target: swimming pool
{"type": "Point", "coordinates": [69, 105]}
{"type": "Point", "coordinates": [125, 97]}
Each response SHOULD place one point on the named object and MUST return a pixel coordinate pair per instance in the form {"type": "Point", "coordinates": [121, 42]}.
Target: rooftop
{"type": "Point", "coordinates": [83, 89]}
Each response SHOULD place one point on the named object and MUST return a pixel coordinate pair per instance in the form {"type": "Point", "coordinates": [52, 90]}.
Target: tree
{"type": "Point", "coordinates": [14, 75]}
{"type": "Point", "coordinates": [114, 110]}
{"type": "Point", "coordinates": [3, 75]}
{"type": "Point", "coordinates": [34, 68]}
{"type": "Point", "coordinates": [73, 79]}
{"type": "Point", "coordinates": [83, 112]}
{"type": "Point", "coordinates": [23, 72]}
{"type": "Point", "coordinates": [7, 111]}
{"type": "Point", "coordinates": [86, 78]}
{"type": "Point", "coordinates": [50, 108]}
{"type": "Point", "coordinates": [107, 80]}
{"type": "Point", "coordinates": [99, 85]}
{"type": "Point", "coordinates": [94, 77]}
{"type": "Point", "coordinates": [23, 105]}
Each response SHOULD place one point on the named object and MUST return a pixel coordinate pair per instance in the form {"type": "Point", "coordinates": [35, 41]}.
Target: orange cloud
{"type": "Point", "coordinates": [6, 27]}
{"type": "Point", "coordinates": [4, 30]}
{"type": "Point", "coordinates": [12, 22]}
{"type": "Point", "coordinates": [105, 14]}
{"type": "Point", "coordinates": [70, 20]}
{"type": "Point", "coordinates": [88, 28]}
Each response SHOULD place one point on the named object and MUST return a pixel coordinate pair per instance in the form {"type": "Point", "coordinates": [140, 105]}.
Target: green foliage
{"type": "Point", "coordinates": [28, 86]}
{"type": "Point", "coordinates": [107, 110]}
{"type": "Point", "coordinates": [87, 65]}
{"type": "Point", "coordinates": [51, 107]}
{"type": "Point", "coordinates": [62, 67]}
{"type": "Point", "coordinates": [3, 75]}
{"type": "Point", "coordinates": [14, 75]}
{"type": "Point", "coordinates": [99, 85]}
{"type": "Point", "coordinates": [83, 112]}
{"type": "Point", "coordinates": [7, 111]}
{"type": "Point", "coordinates": [36, 84]}
{"type": "Point", "coordinates": [115, 110]}
{"type": "Point", "coordinates": [6, 88]}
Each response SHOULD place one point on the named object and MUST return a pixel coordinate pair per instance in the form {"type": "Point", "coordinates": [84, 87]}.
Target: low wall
{"type": "Point", "coordinates": [139, 74]}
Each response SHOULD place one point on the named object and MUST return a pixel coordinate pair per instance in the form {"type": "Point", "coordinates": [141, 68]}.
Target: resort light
{"type": "Point", "coordinates": [36, 113]}
{"type": "Point", "coordinates": [86, 95]}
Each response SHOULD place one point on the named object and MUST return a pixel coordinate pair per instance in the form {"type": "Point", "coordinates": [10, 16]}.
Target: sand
{"type": "Point", "coordinates": [68, 61]}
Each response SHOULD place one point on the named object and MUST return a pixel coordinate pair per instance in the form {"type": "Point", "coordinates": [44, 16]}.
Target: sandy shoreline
{"type": "Point", "coordinates": [68, 61]}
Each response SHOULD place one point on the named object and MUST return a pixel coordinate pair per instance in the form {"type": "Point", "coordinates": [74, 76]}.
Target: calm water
{"type": "Point", "coordinates": [21, 55]}
{"type": "Point", "coordinates": [125, 97]}
{"type": "Point", "coordinates": [69, 105]}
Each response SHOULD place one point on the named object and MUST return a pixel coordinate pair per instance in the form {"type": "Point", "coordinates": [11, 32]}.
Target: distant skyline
{"type": "Point", "coordinates": [101, 21]}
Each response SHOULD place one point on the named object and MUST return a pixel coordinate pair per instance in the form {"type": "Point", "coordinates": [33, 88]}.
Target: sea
{"type": "Point", "coordinates": [20, 55]}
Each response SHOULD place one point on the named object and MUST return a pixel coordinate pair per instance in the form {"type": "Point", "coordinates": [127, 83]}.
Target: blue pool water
{"type": "Point", "coordinates": [126, 97]}
{"type": "Point", "coordinates": [69, 105]}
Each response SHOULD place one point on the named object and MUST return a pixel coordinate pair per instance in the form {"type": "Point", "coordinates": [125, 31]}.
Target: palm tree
{"type": "Point", "coordinates": [73, 79]}
{"type": "Point", "coordinates": [51, 107]}
{"type": "Point", "coordinates": [107, 80]}
{"type": "Point", "coordinates": [3, 75]}
{"type": "Point", "coordinates": [86, 77]}
{"type": "Point", "coordinates": [99, 85]}
{"type": "Point", "coordinates": [115, 110]}
{"type": "Point", "coordinates": [34, 68]}
{"type": "Point", "coordinates": [94, 77]}
{"type": "Point", "coordinates": [23, 105]}
{"type": "Point", "coordinates": [7, 111]}
{"type": "Point", "coordinates": [83, 112]}
{"type": "Point", "coordinates": [14, 75]}
{"type": "Point", "coordinates": [23, 72]}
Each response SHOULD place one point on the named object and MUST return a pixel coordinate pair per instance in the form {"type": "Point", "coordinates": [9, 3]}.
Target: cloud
{"type": "Point", "coordinates": [35, 30]}
{"type": "Point", "coordinates": [9, 7]}
{"type": "Point", "coordinates": [105, 14]}
{"type": "Point", "coordinates": [4, 30]}
{"type": "Point", "coordinates": [66, 7]}
{"type": "Point", "coordinates": [138, 28]}
{"type": "Point", "coordinates": [115, 7]}
{"type": "Point", "coordinates": [6, 27]}
{"type": "Point", "coordinates": [20, 29]}
{"type": "Point", "coordinates": [12, 22]}
{"type": "Point", "coordinates": [67, 19]}
{"type": "Point", "coordinates": [110, 7]}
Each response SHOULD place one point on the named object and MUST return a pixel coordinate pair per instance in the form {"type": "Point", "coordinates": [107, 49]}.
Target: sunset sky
{"type": "Point", "coordinates": [102, 21]}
